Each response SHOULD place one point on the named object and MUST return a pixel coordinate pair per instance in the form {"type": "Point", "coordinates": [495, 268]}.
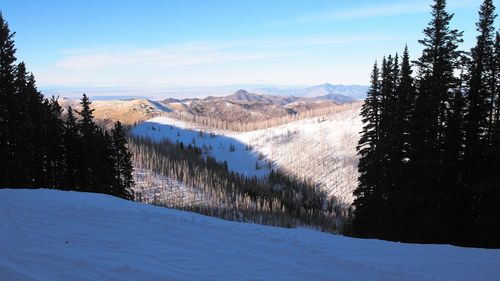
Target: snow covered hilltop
{"type": "Point", "coordinates": [60, 235]}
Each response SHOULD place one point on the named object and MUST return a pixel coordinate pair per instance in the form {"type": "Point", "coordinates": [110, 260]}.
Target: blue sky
{"type": "Point", "coordinates": [186, 43]}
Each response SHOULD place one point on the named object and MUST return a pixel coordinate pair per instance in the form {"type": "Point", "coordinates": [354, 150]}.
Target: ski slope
{"type": "Point", "coordinates": [61, 235]}
{"type": "Point", "coordinates": [320, 149]}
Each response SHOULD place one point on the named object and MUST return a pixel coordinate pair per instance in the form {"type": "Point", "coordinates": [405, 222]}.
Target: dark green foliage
{"type": "Point", "coordinates": [431, 172]}
{"type": "Point", "coordinates": [7, 104]}
{"type": "Point", "coordinates": [369, 200]}
{"type": "Point", "coordinates": [123, 163]}
{"type": "Point", "coordinates": [71, 141]}
{"type": "Point", "coordinates": [39, 148]}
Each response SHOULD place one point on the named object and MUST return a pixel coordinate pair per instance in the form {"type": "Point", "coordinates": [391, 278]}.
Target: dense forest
{"type": "Point", "coordinates": [277, 199]}
{"type": "Point", "coordinates": [40, 147]}
{"type": "Point", "coordinates": [430, 147]}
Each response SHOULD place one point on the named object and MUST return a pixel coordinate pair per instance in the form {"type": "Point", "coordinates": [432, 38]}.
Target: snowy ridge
{"type": "Point", "coordinates": [60, 235]}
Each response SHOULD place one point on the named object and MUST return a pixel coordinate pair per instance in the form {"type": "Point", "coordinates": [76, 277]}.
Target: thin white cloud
{"type": "Point", "coordinates": [173, 55]}
{"type": "Point", "coordinates": [376, 11]}
{"type": "Point", "coordinates": [207, 62]}
{"type": "Point", "coordinates": [195, 53]}
{"type": "Point", "coordinates": [366, 12]}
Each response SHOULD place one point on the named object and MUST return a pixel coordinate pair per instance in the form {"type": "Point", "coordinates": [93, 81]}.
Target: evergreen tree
{"type": "Point", "coordinates": [40, 149]}
{"type": "Point", "coordinates": [90, 152]}
{"type": "Point", "coordinates": [55, 166]}
{"type": "Point", "coordinates": [71, 140]}
{"type": "Point", "coordinates": [385, 148]}
{"type": "Point", "coordinates": [478, 123]}
{"type": "Point", "coordinates": [455, 196]}
{"type": "Point", "coordinates": [398, 152]}
{"type": "Point", "coordinates": [24, 150]}
{"type": "Point", "coordinates": [7, 106]}
{"type": "Point", "coordinates": [37, 108]}
{"type": "Point", "coordinates": [480, 89]}
{"type": "Point", "coordinates": [368, 198]}
{"type": "Point", "coordinates": [436, 83]}
{"type": "Point", "coordinates": [490, 209]}
{"type": "Point", "coordinates": [106, 175]}
{"type": "Point", "coordinates": [123, 163]}
{"type": "Point", "coordinates": [437, 142]}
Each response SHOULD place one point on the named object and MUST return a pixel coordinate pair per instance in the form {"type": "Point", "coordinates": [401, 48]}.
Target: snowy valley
{"type": "Point", "coordinates": [318, 149]}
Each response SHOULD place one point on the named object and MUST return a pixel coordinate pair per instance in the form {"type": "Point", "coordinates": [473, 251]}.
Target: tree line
{"type": "Point", "coordinates": [430, 147]}
{"type": "Point", "coordinates": [277, 199]}
{"type": "Point", "coordinates": [40, 147]}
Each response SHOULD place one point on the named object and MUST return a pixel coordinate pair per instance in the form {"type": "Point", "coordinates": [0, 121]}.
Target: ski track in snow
{"type": "Point", "coordinates": [61, 235]}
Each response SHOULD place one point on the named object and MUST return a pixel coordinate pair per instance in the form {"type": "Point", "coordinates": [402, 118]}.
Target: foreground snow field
{"type": "Point", "coordinates": [58, 235]}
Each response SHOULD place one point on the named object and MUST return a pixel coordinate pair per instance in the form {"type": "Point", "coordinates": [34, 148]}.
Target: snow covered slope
{"type": "Point", "coordinates": [58, 235]}
{"type": "Point", "coordinates": [223, 146]}
{"type": "Point", "coordinates": [320, 149]}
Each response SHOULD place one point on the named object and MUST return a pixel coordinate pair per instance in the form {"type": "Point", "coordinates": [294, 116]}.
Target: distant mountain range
{"type": "Point", "coordinates": [243, 106]}
{"type": "Point", "coordinates": [240, 106]}
{"type": "Point", "coordinates": [107, 93]}
{"type": "Point", "coordinates": [329, 91]}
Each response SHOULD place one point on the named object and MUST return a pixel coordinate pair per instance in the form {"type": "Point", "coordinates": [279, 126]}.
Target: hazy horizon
{"type": "Point", "coordinates": [105, 93]}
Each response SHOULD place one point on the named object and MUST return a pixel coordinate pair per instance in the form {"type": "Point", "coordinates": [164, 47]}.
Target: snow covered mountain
{"type": "Point", "coordinates": [61, 235]}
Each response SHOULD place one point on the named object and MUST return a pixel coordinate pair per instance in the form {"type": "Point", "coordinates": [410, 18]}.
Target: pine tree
{"type": "Point", "coordinates": [455, 195]}
{"type": "Point", "coordinates": [123, 163]}
{"type": "Point", "coordinates": [106, 175]}
{"type": "Point", "coordinates": [481, 88]}
{"type": "Point", "coordinates": [40, 149]}
{"type": "Point", "coordinates": [37, 108]}
{"type": "Point", "coordinates": [55, 166]}
{"type": "Point", "coordinates": [490, 209]}
{"type": "Point", "coordinates": [7, 106]}
{"type": "Point", "coordinates": [71, 140]}
{"type": "Point", "coordinates": [24, 150]}
{"type": "Point", "coordinates": [436, 83]}
{"type": "Point", "coordinates": [368, 198]}
{"type": "Point", "coordinates": [89, 152]}
{"type": "Point", "coordinates": [405, 93]}
{"type": "Point", "coordinates": [398, 153]}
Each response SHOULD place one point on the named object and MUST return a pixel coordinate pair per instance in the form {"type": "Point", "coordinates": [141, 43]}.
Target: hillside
{"type": "Point", "coordinates": [320, 149]}
{"type": "Point", "coordinates": [128, 112]}
{"type": "Point", "coordinates": [244, 107]}
{"type": "Point", "coordinates": [224, 146]}
{"type": "Point", "coordinates": [60, 235]}
{"type": "Point", "coordinates": [241, 106]}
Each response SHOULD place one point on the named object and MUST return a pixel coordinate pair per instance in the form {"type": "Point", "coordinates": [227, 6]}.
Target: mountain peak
{"type": "Point", "coordinates": [324, 85]}
{"type": "Point", "coordinates": [244, 95]}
